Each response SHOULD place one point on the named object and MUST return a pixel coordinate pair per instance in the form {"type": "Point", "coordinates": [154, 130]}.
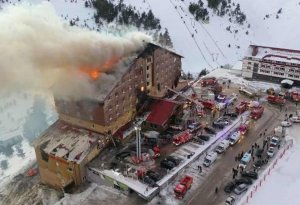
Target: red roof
{"type": "Point", "coordinates": [161, 111]}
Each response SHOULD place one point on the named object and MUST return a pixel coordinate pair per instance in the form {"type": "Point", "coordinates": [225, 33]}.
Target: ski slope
{"type": "Point", "coordinates": [208, 48]}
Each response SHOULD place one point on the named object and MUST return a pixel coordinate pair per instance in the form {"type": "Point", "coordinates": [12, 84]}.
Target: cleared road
{"type": "Point", "coordinates": [222, 169]}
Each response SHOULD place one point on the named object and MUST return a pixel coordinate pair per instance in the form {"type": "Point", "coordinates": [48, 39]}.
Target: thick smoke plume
{"type": "Point", "coordinates": [37, 48]}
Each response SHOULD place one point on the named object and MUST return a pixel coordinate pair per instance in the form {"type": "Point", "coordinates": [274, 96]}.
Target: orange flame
{"type": "Point", "coordinates": [94, 73]}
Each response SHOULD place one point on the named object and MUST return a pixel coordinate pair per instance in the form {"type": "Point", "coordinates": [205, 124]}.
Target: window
{"type": "Point", "coordinates": [158, 86]}
{"type": "Point", "coordinates": [149, 59]}
{"type": "Point", "coordinates": [249, 63]}
{"type": "Point", "coordinates": [148, 67]}
{"type": "Point", "coordinates": [147, 75]}
{"type": "Point", "coordinates": [248, 68]}
{"type": "Point", "coordinates": [148, 83]}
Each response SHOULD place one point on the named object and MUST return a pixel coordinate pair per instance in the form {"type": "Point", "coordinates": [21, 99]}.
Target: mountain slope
{"type": "Point", "coordinates": [207, 45]}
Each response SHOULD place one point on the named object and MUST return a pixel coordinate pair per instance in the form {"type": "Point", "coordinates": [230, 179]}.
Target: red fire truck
{"type": "Point", "coordinates": [295, 96]}
{"type": "Point", "coordinates": [208, 81]}
{"type": "Point", "coordinates": [209, 104]}
{"type": "Point", "coordinates": [244, 127]}
{"type": "Point", "coordinates": [274, 99]}
{"type": "Point", "coordinates": [182, 138]}
{"type": "Point", "coordinates": [183, 186]}
{"type": "Point", "coordinates": [257, 112]}
{"type": "Point", "coordinates": [241, 107]}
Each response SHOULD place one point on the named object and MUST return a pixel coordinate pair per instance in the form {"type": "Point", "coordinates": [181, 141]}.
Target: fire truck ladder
{"type": "Point", "coordinates": [193, 112]}
{"type": "Point", "coordinates": [186, 97]}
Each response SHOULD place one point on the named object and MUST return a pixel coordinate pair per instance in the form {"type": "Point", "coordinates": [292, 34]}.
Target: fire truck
{"type": "Point", "coordinates": [209, 104]}
{"type": "Point", "coordinates": [295, 96]}
{"type": "Point", "coordinates": [257, 112]}
{"type": "Point", "coordinates": [241, 107]}
{"type": "Point", "coordinates": [208, 81]}
{"type": "Point", "coordinates": [183, 186]}
{"type": "Point", "coordinates": [244, 127]}
{"type": "Point", "coordinates": [274, 99]}
{"type": "Point", "coordinates": [182, 138]}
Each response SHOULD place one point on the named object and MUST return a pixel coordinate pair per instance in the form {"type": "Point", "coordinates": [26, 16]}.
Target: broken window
{"type": "Point", "coordinates": [44, 155]}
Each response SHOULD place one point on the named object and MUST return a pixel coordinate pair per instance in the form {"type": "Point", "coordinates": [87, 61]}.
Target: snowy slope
{"type": "Point", "coordinates": [284, 181]}
{"type": "Point", "coordinates": [15, 149]}
{"type": "Point", "coordinates": [209, 47]}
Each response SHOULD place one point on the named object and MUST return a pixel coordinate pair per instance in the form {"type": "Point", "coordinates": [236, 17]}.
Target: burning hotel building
{"type": "Point", "coordinates": [84, 126]}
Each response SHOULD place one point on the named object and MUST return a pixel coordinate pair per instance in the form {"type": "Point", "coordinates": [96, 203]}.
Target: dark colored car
{"type": "Point", "coordinates": [259, 152]}
{"type": "Point", "coordinates": [122, 155]}
{"type": "Point", "coordinates": [149, 181]}
{"type": "Point", "coordinates": [167, 164]}
{"type": "Point", "coordinates": [229, 187]}
{"type": "Point", "coordinates": [204, 137]}
{"type": "Point", "coordinates": [245, 180]}
{"type": "Point", "coordinates": [258, 164]}
{"type": "Point", "coordinates": [175, 160]}
{"type": "Point", "coordinates": [250, 174]}
{"type": "Point", "coordinates": [197, 140]}
{"type": "Point", "coordinates": [153, 175]}
{"type": "Point", "coordinates": [210, 130]}
{"type": "Point", "coordinates": [218, 125]}
{"type": "Point", "coordinates": [231, 114]}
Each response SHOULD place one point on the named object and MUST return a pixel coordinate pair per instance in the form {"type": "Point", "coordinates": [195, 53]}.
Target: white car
{"type": "Point", "coordinates": [295, 119]}
{"type": "Point", "coordinates": [230, 200]}
{"type": "Point", "coordinates": [286, 123]}
{"type": "Point", "coordinates": [271, 152]}
{"type": "Point", "coordinates": [274, 142]}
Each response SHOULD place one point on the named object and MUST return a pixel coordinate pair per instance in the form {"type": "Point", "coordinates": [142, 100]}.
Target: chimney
{"type": "Point", "coordinates": [255, 50]}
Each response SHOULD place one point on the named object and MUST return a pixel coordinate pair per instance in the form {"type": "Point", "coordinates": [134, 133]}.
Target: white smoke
{"type": "Point", "coordinates": [37, 48]}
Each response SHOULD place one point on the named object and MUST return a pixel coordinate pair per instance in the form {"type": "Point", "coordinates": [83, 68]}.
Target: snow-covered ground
{"type": "Point", "coordinates": [282, 185]}
{"type": "Point", "coordinates": [16, 110]}
{"type": "Point", "coordinates": [212, 38]}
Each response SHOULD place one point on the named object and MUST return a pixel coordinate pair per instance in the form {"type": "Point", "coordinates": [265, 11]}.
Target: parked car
{"type": "Point", "coordinates": [204, 137]}
{"type": "Point", "coordinates": [259, 152]}
{"type": "Point", "coordinates": [167, 164]}
{"type": "Point", "coordinates": [210, 130]}
{"type": "Point", "coordinates": [245, 180]}
{"type": "Point", "coordinates": [229, 187]}
{"type": "Point", "coordinates": [231, 114]}
{"type": "Point", "coordinates": [258, 164]}
{"type": "Point", "coordinates": [221, 123]}
{"type": "Point", "coordinates": [286, 123]}
{"type": "Point", "coordinates": [173, 159]}
{"type": "Point", "coordinates": [271, 152]}
{"type": "Point", "coordinates": [275, 141]}
{"type": "Point", "coordinates": [149, 181]}
{"type": "Point", "coordinates": [250, 174]}
{"type": "Point", "coordinates": [218, 125]}
{"type": "Point", "coordinates": [295, 119]}
{"type": "Point", "coordinates": [240, 189]}
{"type": "Point", "coordinates": [122, 155]}
{"type": "Point", "coordinates": [230, 200]}
{"type": "Point", "coordinates": [153, 175]}
{"type": "Point", "coordinates": [197, 140]}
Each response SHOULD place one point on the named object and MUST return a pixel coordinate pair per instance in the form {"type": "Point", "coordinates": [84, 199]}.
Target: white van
{"type": "Point", "coordinates": [234, 138]}
{"type": "Point", "coordinates": [245, 160]}
{"type": "Point", "coordinates": [222, 147]}
{"type": "Point", "coordinates": [210, 158]}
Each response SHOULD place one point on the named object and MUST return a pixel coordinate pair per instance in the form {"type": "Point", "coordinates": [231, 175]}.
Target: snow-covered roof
{"type": "Point", "coordinates": [66, 141]}
{"type": "Point", "coordinates": [287, 81]}
{"type": "Point", "coordinates": [274, 54]}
